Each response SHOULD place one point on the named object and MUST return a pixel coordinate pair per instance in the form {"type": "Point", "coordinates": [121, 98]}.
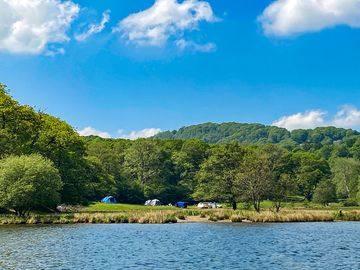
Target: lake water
{"type": "Point", "coordinates": [182, 246]}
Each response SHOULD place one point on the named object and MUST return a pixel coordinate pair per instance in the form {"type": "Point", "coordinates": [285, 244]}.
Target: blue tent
{"type": "Point", "coordinates": [181, 204]}
{"type": "Point", "coordinates": [109, 199]}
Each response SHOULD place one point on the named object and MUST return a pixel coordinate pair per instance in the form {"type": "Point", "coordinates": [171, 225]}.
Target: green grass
{"type": "Point", "coordinates": [103, 207]}
{"type": "Point", "coordinates": [268, 205]}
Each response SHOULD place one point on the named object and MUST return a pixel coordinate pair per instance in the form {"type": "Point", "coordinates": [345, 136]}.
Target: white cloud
{"type": "Point", "coordinates": [292, 17]}
{"type": "Point", "coordinates": [166, 19]}
{"type": "Point", "coordinates": [133, 135]}
{"type": "Point", "coordinates": [309, 119]}
{"type": "Point", "coordinates": [89, 131]}
{"type": "Point", "coordinates": [145, 133]}
{"type": "Point", "coordinates": [183, 44]}
{"type": "Point", "coordinates": [31, 26]}
{"type": "Point", "coordinates": [347, 117]}
{"type": "Point", "coordinates": [94, 28]}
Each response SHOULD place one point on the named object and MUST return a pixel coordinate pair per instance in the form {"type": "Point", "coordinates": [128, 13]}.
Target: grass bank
{"type": "Point", "coordinates": [187, 215]}
{"type": "Point", "coordinates": [158, 217]}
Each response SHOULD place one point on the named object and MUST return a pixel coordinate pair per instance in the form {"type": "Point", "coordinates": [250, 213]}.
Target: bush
{"type": "Point", "coordinates": [28, 183]}
{"type": "Point", "coordinates": [350, 203]}
{"type": "Point", "coordinates": [325, 193]}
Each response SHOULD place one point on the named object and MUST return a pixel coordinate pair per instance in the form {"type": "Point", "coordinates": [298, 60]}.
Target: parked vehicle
{"type": "Point", "coordinates": [209, 205]}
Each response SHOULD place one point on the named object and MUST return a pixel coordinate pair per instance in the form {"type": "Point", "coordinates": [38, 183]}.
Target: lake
{"type": "Point", "coordinates": [182, 246]}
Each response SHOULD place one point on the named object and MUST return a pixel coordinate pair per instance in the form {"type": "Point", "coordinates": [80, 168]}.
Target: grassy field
{"type": "Point", "coordinates": [103, 207]}
{"type": "Point", "coordinates": [265, 205]}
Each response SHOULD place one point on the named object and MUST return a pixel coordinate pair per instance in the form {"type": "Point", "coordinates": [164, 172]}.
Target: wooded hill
{"type": "Point", "coordinates": [257, 133]}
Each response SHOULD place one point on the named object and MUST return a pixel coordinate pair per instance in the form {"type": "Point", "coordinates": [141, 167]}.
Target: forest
{"type": "Point", "coordinates": [45, 162]}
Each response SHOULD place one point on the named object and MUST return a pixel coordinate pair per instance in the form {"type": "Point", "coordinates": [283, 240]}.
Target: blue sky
{"type": "Point", "coordinates": [210, 61]}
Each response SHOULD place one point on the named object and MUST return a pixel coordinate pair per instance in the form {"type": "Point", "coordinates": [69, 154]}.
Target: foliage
{"type": "Point", "coordinates": [257, 133]}
{"type": "Point", "coordinates": [346, 173]}
{"type": "Point", "coordinates": [218, 174]}
{"type": "Point", "coordinates": [28, 182]}
{"type": "Point", "coordinates": [227, 162]}
{"type": "Point", "coordinates": [325, 193]}
{"type": "Point", "coordinates": [311, 169]}
{"type": "Point", "coordinates": [255, 177]}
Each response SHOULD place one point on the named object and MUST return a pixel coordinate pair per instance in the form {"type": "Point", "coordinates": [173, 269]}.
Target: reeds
{"type": "Point", "coordinates": [295, 216]}
{"type": "Point", "coordinates": [156, 217]}
{"type": "Point", "coordinates": [171, 216]}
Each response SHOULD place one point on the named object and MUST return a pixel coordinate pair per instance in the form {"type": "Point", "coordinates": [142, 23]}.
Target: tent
{"type": "Point", "coordinates": [154, 202]}
{"type": "Point", "coordinates": [109, 199]}
{"type": "Point", "coordinates": [181, 204]}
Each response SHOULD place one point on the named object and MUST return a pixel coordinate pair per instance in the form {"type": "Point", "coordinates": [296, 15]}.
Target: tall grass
{"type": "Point", "coordinates": [295, 216]}
{"type": "Point", "coordinates": [172, 216]}
{"type": "Point", "coordinates": [95, 218]}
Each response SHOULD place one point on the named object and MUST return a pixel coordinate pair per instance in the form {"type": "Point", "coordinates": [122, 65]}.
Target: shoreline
{"type": "Point", "coordinates": [183, 216]}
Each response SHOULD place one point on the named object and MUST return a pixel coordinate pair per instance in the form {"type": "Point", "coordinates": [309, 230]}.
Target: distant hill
{"type": "Point", "coordinates": [258, 133]}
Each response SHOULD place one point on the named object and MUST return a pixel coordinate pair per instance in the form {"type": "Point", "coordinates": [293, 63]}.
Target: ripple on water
{"type": "Point", "coordinates": [182, 246]}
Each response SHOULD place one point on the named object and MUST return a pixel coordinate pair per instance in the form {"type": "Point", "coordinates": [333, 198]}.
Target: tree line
{"type": "Point", "coordinates": [44, 162]}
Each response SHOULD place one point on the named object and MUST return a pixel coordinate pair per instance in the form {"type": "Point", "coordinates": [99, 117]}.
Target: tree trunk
{"type": "Point", "coordinates": [257, 206]}
{"type": "Point", "coordinates": [277, 206]}
{"type": "Point", "coordinates": [234, 205]}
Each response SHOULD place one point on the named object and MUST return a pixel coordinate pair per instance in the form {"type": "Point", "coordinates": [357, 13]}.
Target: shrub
{"type": "Point", "coordinates": [350, 203]}
{"type": "Point", "coordinates": [27, 183]}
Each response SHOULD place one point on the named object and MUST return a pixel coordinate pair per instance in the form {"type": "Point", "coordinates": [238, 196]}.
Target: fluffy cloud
{"type": "Point", "coordinates": [166, 19]}
{"type": "Point", "coordinates": [31, 26]}
{"type": "Point", "coordinates": [292, 17]}
{"type": "Point", "coordinates": [133, 135]}
{"type": "Point", "coordinates": [145, 133]}
{"type": "Point", "coordinates": [309, 119]}
{"type": "Point", "coordinates": [346, 117]}
{"type": "Point", "coordinates": [94, 28]}
{"type": "Point", "coordinates": [89, 131]}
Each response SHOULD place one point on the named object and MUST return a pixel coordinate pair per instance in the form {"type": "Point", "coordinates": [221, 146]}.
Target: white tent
{"type": "Point", "coordinates": [154, 202]}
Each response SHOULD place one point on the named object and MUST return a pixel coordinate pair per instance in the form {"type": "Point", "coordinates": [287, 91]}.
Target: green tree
{"type": "Point", "coordinates": [325, 193]}
{"type": "Point", "coordinates": [310, 170]}
{"type": "Point", "coordinates": [19, 126]}
{"type": "Point", "coordinates": [150, 167]}
{"type": "Point", "coordinates": [100, 183]}
{"type": "Point", "coordinates": [28, 183]}
{"type": "Point", "coordinates": [187, 163]}
{"type": "Point", "coordinates": [282, 176]}
{"type": "Point", "coordinates": [346, 172]}
{"type": "Point", "coordinates": [60, 143]}
{"type": "Point", "coordinates": [217, 178]}
{"type": "Point", "coordinates": [255, 177]}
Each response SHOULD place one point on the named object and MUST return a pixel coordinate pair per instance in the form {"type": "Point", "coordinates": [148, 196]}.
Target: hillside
{"type": "Point", "coordinates": [258, 133]}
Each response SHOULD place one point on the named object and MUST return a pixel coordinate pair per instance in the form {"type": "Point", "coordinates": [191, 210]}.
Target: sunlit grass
{"type": "Point", "coordinates": [103, 207]}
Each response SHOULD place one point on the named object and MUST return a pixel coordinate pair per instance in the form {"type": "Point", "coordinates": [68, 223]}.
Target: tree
{"type": "Point", "coordinates": [100, 183]}
{"type": "Point", "coordinates": [217, 178]}
{"type": "Point", "coordinates": [28, 183]}
{"type": "Point", "coordinates": [283, 186]}
{"type": "Point", "coordinates": [310, 170]}
{"type": "Point", "coordinates": [255, 177]}
{"type": "Point", "coordinates": [60, 143]}
{"type": "Point", "coordinates": [346, 172]}
{"type": "Point", "coordinates": [150, 167]}
{"type": "Point", "coordinates": [325, 193]}
{"type": "Point", "coordinates": [187, 163]}
{"type": "Point", "coordinates": [19, 126]}
{"type": "Point", "coordinates": [283, 182]}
